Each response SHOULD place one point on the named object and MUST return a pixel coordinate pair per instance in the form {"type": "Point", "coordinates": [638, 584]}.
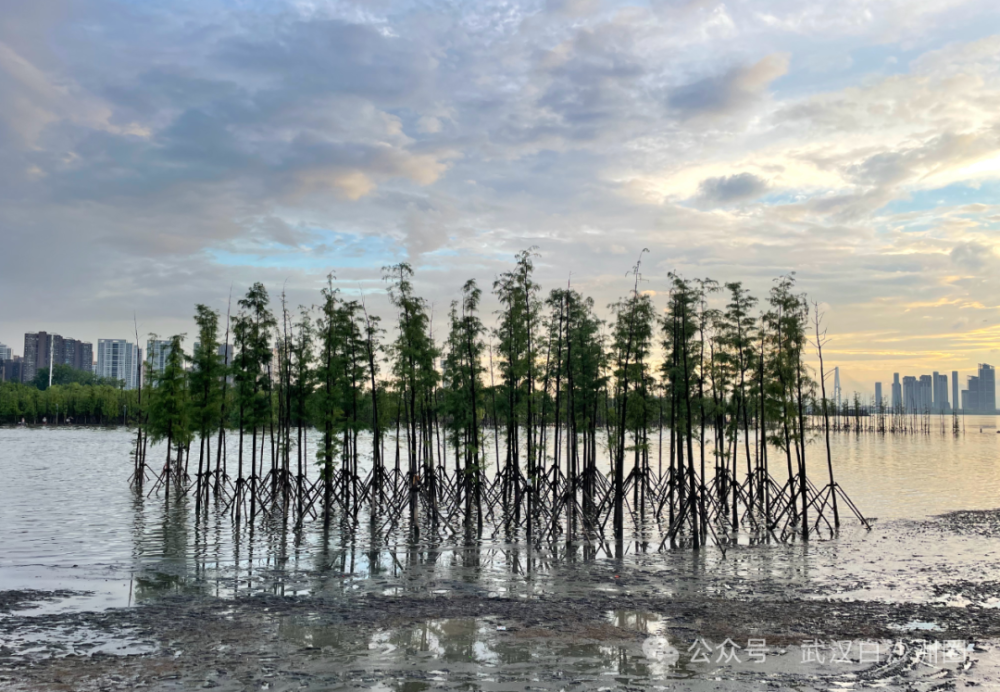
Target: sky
{"type": "Point", "coordinates": [158, 155]}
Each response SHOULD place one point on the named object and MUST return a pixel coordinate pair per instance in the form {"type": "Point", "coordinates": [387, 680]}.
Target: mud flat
{"type": "Point", "coordinates": [909, 606]}
{"type": "Point", "coordinates": [472, 642]}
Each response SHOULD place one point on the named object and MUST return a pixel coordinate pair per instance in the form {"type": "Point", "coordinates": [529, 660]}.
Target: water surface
{"type": "Point", "coordinates": [70, 520]}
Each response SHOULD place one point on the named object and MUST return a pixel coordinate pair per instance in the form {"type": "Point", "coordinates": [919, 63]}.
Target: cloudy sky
{"type": "Point", "coordinates": [154, 154]}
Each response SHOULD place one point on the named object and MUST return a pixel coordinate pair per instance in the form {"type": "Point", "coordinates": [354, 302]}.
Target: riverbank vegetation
{"type": "Point", "coordinates": [91, 403]}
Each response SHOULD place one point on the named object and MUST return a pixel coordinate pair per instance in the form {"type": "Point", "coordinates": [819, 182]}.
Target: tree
{"type": "Point", "coordinates": [414, 353]}
{"type": "Point", "coordinates": [682, 348]}
{"type": "Point", "coordinates": [252, 330]}
{"type": "Point", "coordinates": [302, 380]}
{"type": "Point", "coordinates": [463, 391]}
{"type": "Point", "coordinates": [738, 333]}
{"type": "Point", "coordinates": [169, 407]}
{"type": "Point", "coordinates": [66, 374]}
{"type": "Point", "coordinates": [519, 312]}
{"type": "Point", "coordinates": [631, 342]}
{"type": "Point", "coordinates": [788, 322]}
{"type": "Point", "coordinates": [206, 376]}
{"type": "Point", "coordinates": [328, 405]}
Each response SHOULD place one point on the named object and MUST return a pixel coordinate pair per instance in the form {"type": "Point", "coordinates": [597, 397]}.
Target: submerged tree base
{"type": "Point", "coordinates": [660, 511]}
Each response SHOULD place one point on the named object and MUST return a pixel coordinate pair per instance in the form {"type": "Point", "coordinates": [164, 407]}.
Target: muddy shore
{"type": "Point", "coordinates": [249, 643]}
{"type": "Point", "coordinates": [568, 626]}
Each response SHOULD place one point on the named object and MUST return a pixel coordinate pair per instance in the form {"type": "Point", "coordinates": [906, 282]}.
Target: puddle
{"type": "Point", "coordinates": [41, 642]}
{"type": "Point", "coordinates": [918, 626]}
{"type": "Point", "coordinates": [637, 621]}
{"type": "Point", "coordinates": [625, 649]}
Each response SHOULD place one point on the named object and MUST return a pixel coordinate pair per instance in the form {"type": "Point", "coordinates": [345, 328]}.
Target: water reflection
{"type": "Point", "coordinates": [69, 516]}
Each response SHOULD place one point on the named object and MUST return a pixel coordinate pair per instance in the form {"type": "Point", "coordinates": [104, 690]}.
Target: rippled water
{"type": "Point", "coordinates": [68, 519]}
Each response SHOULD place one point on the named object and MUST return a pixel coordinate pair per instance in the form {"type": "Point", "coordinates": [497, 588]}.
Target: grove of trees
{"type": "Point", "coordinates": [544, 423]}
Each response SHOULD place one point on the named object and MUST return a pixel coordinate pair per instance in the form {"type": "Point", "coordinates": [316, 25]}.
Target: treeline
{"type": "Point", "coordinates": [525, 399]}
{"type": "Point", "coordinates": [84, 404]}
{"type": "Point", "coordinates": [66, 374]}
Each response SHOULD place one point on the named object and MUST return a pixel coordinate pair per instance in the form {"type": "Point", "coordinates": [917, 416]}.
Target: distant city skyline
{"type": "Point", "coordinates": [921, 392]}
{"type": "Point", "coordinates": [929, 393]}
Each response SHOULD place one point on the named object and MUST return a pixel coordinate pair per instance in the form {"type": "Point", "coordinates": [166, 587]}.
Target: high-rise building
{"type": "Point", "coordinates": [5, 352]}
{"type": "Point", "coordinates": [926, 395]}
{"type": "Point", "coordinates": [31, 356]}
{"type": "Point", "coordinates": [897, 393]}
{"type": "Point", "coordinates": [970, 395]}
{"type": "Point", "coordinates": [987, 389]}
{"type": "Point", "coordinates": [42, 349]}
{"type": "Point", "coordinates": [980, 393]}
{"type": "Point", "coordinates": [940, 393]}
{"type": "Point", "coordinates": [78, 354]}
{"type": "Point", "coordinates": [954, 390]}
{"type": "Point", "coordinates": [10, 369]}
{"type": "Point", "coordinates": [157, 352]}
{"type": "Point", "coordinates": [911, 394]}
{"type": "Point", "coordinates": [118, 359]}
{"type": "Point", "coordinates": [878, 395]}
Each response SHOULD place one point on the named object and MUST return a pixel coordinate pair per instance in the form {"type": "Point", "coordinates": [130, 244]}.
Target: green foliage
{"type": "Point", "coordinates": [66, 374]}
{"type": "Point", "coordinates": [207, 372]}
{"type": "Point", "coordinates": [413, 354]}
{"type": "Point", "coordinates": [252, 331]}
{"type": "Point", "coordinates": [301, 376]}
{"type": "Point", "coordinates": [682, 348]}
{"type": "Point", "coordinates": [169, 404]}
{"type": "Point", "coordinates": [414, 351]}
{"type": "Point", "coordinates": [462, 400]}
{"type": "Point", "coordinates": [328, 399]}
{"type": "Point", "coordinates": [632, 342]}
{"type": "Point", "coordinates": [581, 360]}
{"type": "Point", "coordinates": [99, 404]}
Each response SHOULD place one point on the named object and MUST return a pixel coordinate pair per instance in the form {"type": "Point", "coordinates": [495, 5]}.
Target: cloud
{"type": "Point", "coordinates": [738, 187]}
{"type": "Point", "coordinates": [573, 8]}
{"type": "Point", "coordinates": [149, 157]}
{"type": "Point", "coordinates": [972, 256]}
{"type": "Point", "coordinates": [939, 154]}
{"type": "Point", "coordinates": [331, 55]}
{"type": "Point", "coordinates": [730, 92]}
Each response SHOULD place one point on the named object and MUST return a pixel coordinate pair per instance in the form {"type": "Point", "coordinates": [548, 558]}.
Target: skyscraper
{"type": "Point", "coordinates": [118, 359]}
{"type": "Point", "coordinates": [78, 354]}
{"type": "Point", "coordinates": [897, 393]}
{"type": "Point", "coordinates": [956, 404]}
{"type": "Point", "coordinates": [10, 370]}
{"type": "Point", "coordinates": [926, 394]}
{"type": "Point", "coordinates": [878, 395]}
{"type": "Point", "coordinates": [970, 395]}
{"type": "Point", "coordinates": [5, 352]}
{"type": "Point", "coordinates": [911, 394]}
{"type": "Point", "coordinates": [987, 389]}
{"type": "Point", "coordinates": [940, 393]}
{"type": "Point", "coordinates": [40, 348]}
